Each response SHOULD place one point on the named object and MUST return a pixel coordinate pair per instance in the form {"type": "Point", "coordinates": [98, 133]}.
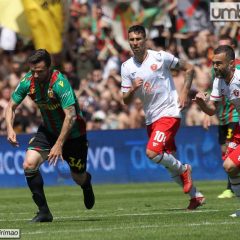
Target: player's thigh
{"type": "Point", "coordinates": [75, 154]}
{"type": "Point", "coordinates": [34, 159]}
{"type": "Point", "coordinates": [232, 161]}
{"type": "Point", "coordinates": [162, 135]}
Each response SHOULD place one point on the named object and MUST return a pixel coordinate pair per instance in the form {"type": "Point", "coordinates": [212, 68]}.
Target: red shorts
{"type": "Point", "coordinates": [233, 149]}
{"type": "Point", "coordinates": [161, 135]}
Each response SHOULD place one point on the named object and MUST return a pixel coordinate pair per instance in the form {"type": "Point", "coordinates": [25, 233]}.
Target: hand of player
{"type": "Point", "coordinates": [12, 138]}
{"type": "Point", "coordinates": [206, 122]}
{"type": "Point", "coordinates": [200, 97]}
{"type": "Point", "coordinates": [138, 82]}
{"type": "Point", "coordinates": [55, 154]}
{"type": "Point", "coordinates": [183, 100]}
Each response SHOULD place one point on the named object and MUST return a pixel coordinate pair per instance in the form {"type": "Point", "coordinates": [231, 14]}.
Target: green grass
{"type": "Point", "coordinates": [125, 212]}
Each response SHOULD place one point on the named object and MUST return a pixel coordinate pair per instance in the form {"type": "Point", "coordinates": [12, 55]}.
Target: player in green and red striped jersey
{"type": "Point", "coordinates": [62, 134]}
{"type": "Point", "coordinates": [228, 119]}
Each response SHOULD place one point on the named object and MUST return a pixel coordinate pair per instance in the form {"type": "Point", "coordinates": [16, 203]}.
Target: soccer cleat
{"type": "Point", "coordinates": [187, 179]}
{"type": "Point", "coordinates": [42, 217]}
{"type": "Point", "coordinates": [236, 214]}
{"type": "Point", "coordinates": [196, 202]}
{"type": "Point", "coordinates": [226, 194]}
{"type": "Point", "coordinates": [89, 198]}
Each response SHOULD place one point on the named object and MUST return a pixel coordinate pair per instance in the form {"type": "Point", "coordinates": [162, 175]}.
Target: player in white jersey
{"type": "Point", "coordinates": [147, 76]}
{"type": "Point", "coordinates": [226, 83]}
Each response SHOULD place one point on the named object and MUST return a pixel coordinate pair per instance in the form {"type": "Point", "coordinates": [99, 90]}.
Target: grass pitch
{"type": "Point", "coordinates": [124, 212]}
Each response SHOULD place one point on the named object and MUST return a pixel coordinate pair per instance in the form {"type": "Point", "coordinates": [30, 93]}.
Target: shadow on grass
{"type": "Point", "coordinates": [77, 220]}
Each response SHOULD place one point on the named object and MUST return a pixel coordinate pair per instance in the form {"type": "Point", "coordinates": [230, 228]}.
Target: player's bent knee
{"type": "Point", "coordinates": [230, 168]}
{"type": "Point", "coordinates": [29, 166]}
{"type": "Point", "coordinates": [150, 154]}
{"type": "Point", "coordinates": [155, 157]}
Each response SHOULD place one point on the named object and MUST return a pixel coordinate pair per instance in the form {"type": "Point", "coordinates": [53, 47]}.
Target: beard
{"type": "Point", "coordinates": [221, 74]}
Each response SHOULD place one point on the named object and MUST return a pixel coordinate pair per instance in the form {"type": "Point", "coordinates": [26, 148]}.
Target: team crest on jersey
{"type": "Point", "coordinates": [154, 67]}
{"type": "Point", "coordinates": [50, 93]}
{"type": "Point", "coordinates": [236, 92]}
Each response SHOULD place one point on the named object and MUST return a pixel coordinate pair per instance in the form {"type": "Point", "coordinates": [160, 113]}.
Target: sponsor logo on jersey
{"type": "Point", "coordinates": [133, 74]}
{"type": "Point", "coordinates": [155, 144]}
{"type": "Point", "coordinates": [239, 158]}
{"type": "Point", "coordinates": [48, 106]}
{"type": "Point", "coordinates": [154, 67]}
{"type": "Point", "coordinates": [61, 83]}
{"type": "Point", "coordinates": [147, 87]}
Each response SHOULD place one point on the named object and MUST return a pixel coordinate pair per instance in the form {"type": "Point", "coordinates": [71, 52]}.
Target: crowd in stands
{"type": "Point", "coordinates": [95, 45]}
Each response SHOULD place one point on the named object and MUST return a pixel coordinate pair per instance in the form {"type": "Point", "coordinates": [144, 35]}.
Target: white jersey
{"type": "Point", "coordinates": [231, 91]}
{"type": "Point", "coordinates": [158, 93]}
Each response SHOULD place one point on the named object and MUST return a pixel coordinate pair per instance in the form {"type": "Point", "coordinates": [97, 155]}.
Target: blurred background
{"type": "Point", "coordinates": [88, 43]}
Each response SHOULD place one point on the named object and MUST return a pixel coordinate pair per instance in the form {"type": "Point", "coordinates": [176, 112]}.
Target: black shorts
{"type": "Point", "coordinates": [74, 150]}
{"type": "Point", "coordinates": [225, 132]}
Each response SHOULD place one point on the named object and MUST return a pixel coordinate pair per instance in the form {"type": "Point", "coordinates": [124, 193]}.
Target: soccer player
{"type": "Point", "coordinates": [147, 76]}
{"type": "Point", "coordinates": [226, 83]}
{"type": "Point", "coordinates": [62, 134]}
{"type": "Point", "coordinates": [228, 119]}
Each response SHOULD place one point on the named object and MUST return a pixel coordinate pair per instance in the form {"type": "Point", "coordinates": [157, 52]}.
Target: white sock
{"type": "Point", "coordinates": [193, 192]}
{"type": "Point", "coordinates": [170, 162]}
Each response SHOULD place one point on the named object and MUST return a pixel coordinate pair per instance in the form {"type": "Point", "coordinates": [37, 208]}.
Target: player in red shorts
{"type": "Point", "coordinates": [226, 83]}
{"type": "Point", "coordinates": [147, 76]}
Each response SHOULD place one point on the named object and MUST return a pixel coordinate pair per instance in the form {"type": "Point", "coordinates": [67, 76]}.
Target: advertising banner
{"type": "Point", "coordinates": [118, 156]}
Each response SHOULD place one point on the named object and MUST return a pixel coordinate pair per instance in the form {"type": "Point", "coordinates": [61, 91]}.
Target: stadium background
{"type": "Point", "coordinates": [87, 40]}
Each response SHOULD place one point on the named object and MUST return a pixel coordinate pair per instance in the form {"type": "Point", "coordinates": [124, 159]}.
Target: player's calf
{"type": "Point", "coordinates": [89, 198]}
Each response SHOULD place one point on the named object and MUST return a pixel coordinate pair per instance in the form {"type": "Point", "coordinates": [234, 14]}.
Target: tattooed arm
{"type": "Point", "coordinates": [189, 74]}
{"type": "Point", "coordinates": [56, 151]}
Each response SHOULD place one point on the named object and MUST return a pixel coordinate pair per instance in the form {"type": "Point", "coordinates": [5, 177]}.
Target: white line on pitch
{"type": "Point", "coordinates": [121, 215]}
{"type": "Point", "coordinates": [133, 227]}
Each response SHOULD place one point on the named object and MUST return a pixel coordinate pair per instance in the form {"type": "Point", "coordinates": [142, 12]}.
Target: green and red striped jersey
{"type": "Point", "coordinates": [51, 98]}
{"type": "Point", "coordinates": [226, 111]}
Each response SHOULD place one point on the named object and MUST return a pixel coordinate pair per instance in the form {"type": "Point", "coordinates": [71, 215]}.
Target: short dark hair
{"type": "Point", "coordinates": [138, 29]}
{"type": "Point", "coordinates": [40, 55]}
{"type": "Point", "coordinates": [228, 50]}
{"type": "Point", "coordinates": [226, 37]}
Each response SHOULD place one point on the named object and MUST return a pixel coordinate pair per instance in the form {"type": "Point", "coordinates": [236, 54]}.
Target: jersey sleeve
{"type": "Point", "coordinates": [126, 80]}
{"type": "Point", "coordinates": [64, 92]}
{"type": "Point", "coordinates": [169, 60]}
{"type": "Point", "coordinates": [216, 94]}
{"type": "Point", "coordinates": [21, 91]}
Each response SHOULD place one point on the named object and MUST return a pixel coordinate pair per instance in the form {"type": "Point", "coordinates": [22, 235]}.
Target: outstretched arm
{"type": "Point", "coordinates": [56, 151]}
{"type": "Point", "coordinates": [9, 116]}
{"type": "Point", "coordinates": [210, 107]}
